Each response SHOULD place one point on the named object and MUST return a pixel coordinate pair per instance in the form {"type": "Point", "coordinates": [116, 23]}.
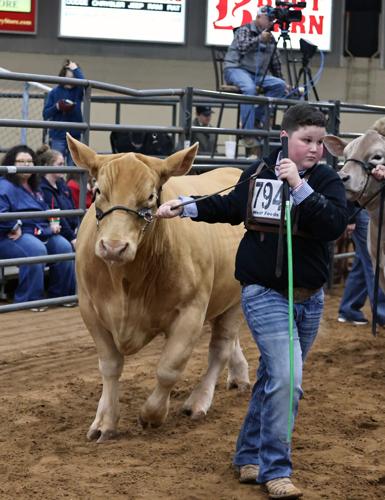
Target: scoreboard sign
{"type": "Point", "coordinates": [225, 15]}
{"type": "Point", "coordinates": [18, 16]}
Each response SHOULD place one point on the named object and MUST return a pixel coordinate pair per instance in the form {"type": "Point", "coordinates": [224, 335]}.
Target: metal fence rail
{"type": "Point", "coordinates": [180, 101]}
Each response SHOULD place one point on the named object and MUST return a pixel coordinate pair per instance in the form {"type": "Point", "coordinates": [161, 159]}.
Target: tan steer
{"type": "Point", "coordinates": [361, 155]}
{"type": "Point", "coordinates": [139, 278]}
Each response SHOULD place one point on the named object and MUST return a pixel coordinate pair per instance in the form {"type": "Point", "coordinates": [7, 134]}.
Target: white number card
{"type": "Point", "coordinates": [266, 202]}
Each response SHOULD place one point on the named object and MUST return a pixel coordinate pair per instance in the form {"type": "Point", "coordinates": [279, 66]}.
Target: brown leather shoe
{"type": "Point", "coordinates": [282, 487]}
{"type": "Point", "coordinates": [248, 473]}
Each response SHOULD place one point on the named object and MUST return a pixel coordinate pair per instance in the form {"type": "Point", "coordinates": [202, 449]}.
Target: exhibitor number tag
{"type": "Point", "coordinates": [266, 202]}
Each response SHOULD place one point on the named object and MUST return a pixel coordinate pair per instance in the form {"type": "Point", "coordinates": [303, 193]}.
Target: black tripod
{"type": "Point", "coordinates": [307, 79]}
{"type": "Point", "coordinates": [290, 62]}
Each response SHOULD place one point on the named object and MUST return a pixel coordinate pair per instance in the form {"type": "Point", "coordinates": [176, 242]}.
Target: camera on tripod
{"type": "Point", "coordinates": [285, 13]}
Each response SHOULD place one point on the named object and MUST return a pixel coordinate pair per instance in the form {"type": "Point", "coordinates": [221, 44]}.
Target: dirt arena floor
{"type": "Point", "coordinates": [50, 386]}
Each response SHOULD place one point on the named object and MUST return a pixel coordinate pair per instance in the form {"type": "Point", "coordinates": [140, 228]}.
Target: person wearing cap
{"type": "Point", "coordinates": [251, 55]}
{"type": "Point", "coordinates": [205, 139]}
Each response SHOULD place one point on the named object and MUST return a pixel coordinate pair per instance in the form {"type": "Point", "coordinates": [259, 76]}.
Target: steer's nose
{"type": "Point", "coordinates": [112, 249]}
{"type": "Point", "coordinates": [345, 178]}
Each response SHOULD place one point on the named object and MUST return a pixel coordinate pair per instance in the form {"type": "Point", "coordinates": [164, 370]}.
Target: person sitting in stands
{"type": "Point", "coordinates": [250, 57]}
{"type": "Point", "coordinates": [32, 237]}
{"type": "Point", "coordinates": [205, 139]}
{"type": "Point", "coordinates": [64, 104]}
{"type": "Point", "coordinates": [56, 193]}
{"type": "Point", "coordinates": [74, 185]}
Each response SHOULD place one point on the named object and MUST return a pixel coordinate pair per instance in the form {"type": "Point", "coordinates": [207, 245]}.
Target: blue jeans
{"type": "Point", "coordinates": [246, 81]}
{"type": "Point", "coordinates": [31, 277]}
{"type": "Point", "coordinates": [61, 145]}
{"type": "Point", "coordinates": [263, 438]}
{"type": "Point", "coordinates": [360, 282]}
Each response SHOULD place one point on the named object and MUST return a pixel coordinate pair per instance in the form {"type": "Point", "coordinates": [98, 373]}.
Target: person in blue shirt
{"type": "Point", "coordinates": [56, 193]}
{"type": "Point", "coordinates": [64, 104]}
{"type": "Point", "coordinates": [32, 237]}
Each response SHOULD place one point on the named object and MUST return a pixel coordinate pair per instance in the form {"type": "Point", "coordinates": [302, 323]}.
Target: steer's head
{"type": "Point", "coordinates": [129, 186]}
{"type": "Point", "coordinates": [361, 156]}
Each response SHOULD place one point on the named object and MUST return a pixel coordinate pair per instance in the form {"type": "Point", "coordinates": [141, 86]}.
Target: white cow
{"type": "Point", "coordinates": [362, 155]}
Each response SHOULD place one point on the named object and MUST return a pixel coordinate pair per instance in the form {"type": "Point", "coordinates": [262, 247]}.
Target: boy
{"type": "Point", "coordinates": [318, 195]}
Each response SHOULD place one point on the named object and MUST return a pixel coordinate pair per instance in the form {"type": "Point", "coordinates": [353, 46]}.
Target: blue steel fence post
{"type": "Point", "coordinates": [174, 118]}
{"type": "Point", "coordinates": [185, 117]}
{"type": "Point", "coordinates": [25, 112]}
{"type": "Point", "coordinates": [333, 127]}
{"type": "Point", "coordinates": [87, 113]}
{"type": "Point", "coordinates": [117, 113]}
{"type": "Point", "coordinates": [86, 140]}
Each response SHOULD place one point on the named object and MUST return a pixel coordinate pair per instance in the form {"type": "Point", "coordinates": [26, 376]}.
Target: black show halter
{"type": "Point", "coordinates": [144, 213]}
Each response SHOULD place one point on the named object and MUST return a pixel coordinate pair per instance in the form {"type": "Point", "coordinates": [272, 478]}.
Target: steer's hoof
{"type": "Point", "coordinates": [187, 410]}
{"type": "Point", "coordinates": [194, 414]}
{"type": "Point", "coordinates": [242, 387]}
{"type": "Point", "coordinates": [147, 424]}
{"type": "Point", "coordinates": [101, 437]}
{"type": "Point", "coordinates": [198, 415]}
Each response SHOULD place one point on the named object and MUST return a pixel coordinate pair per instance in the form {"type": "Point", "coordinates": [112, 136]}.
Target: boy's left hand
{"type": "Point", "coordinates": [288, 171]}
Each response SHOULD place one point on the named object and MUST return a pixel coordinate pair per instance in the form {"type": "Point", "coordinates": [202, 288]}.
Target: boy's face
{"type": "Point", "coordinates": [306, 145]}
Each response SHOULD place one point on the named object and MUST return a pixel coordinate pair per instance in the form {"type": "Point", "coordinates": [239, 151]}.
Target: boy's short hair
{"type": "Point", "coordinates": [302, 115]}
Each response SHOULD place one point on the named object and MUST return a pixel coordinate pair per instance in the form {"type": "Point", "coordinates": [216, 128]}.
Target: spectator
{"type": "Point", "coordinates": [205, 139]}
{"type": "Point", "coordinates": [74, 185]}
{"type": "Point", "coordinates": [251, 54]}
{"type": "Point", "coordinates": [32, 237]}
{"type": "Point", "coordinates": [360, 283]}
{"type": "Point", "coordinates": [56, 193]}
{"type": "Point", "coordinates": [63, 104]}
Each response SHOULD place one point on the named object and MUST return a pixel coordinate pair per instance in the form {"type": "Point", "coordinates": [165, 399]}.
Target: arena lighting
{"type": "Point", "coordinates": [307, 50]}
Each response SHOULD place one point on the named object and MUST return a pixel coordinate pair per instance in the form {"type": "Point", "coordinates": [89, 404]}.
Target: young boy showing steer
{"type": "Point", "coordinates": [263, 450]}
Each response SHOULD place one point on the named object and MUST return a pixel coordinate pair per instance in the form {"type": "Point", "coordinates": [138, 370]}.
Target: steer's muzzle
{"type": "Point", "coordinates": [113, 250]}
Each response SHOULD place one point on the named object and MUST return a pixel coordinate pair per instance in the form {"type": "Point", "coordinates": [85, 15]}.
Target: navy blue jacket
{"type": "Point", "coordinates": [50, 111]}
{"type": "Point", "coordinates": [323, 216]}
{"type": "Point", "coordinates": [17, 199]}
{"type": "Point", "coordinates": [61, 198]}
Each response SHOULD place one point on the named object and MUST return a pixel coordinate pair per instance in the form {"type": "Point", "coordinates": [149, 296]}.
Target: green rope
{"type": "Point", "coordinates": [291, 316]}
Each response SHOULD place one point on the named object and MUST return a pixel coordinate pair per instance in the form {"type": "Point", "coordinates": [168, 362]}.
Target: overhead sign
{"type": "Point", "coordinates": [149, 21]}
{"type": "Point", "coordinates": [18, 16]}
{"type": "Point", "coordinates": [225, 15]}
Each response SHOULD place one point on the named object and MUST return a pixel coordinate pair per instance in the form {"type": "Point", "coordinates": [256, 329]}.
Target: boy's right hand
{"type": "Point", "coordinates": [379, 172]}
{"type": "Point", "coordinates": [165, 211]}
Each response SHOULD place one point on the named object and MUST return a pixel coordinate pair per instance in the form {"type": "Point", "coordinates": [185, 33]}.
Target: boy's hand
{"type": "Point", "coordinates": [379, 172]}
{"type": "Point", "coordinates": [165, 210]}
{"type": "Point", "coordinates": [288, 171]}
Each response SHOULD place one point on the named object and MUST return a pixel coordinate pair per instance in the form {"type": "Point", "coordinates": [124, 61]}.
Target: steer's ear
{"type": "Point", "coordinates": [179, 163]}
{"type": "Point", "coordinates": [335, 145]}
{"type": "Point", "coordinates": [82, 155]}
{"type": "Point", "coordinates": [379, 126]}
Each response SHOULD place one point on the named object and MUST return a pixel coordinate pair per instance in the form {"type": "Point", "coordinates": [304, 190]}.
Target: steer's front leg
{"type": "Point", "coordinates": [177, 350]}
{"type": "Point", "coordinates": [104, 426]}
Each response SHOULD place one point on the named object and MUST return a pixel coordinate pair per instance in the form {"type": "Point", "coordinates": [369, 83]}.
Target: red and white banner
{"type": "Point", "coordinates": [18, 16]}
{"type": "Point", "coordinates": [225, 15]}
